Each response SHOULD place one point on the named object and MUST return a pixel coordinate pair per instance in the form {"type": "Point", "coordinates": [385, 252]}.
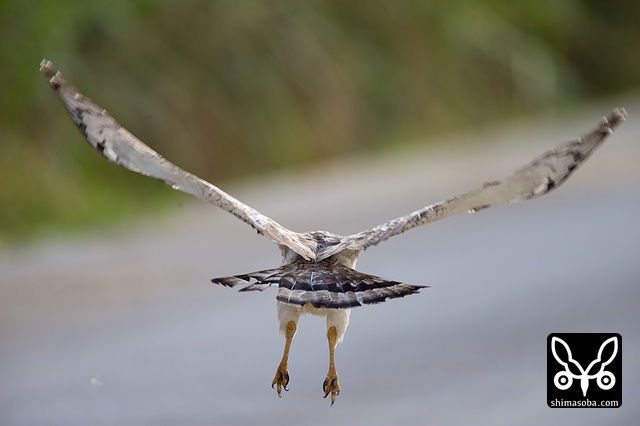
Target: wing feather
{"type": "Point", "coordinates": [545, 173]}
{"type": "Point", "coordinates": [119, 146]}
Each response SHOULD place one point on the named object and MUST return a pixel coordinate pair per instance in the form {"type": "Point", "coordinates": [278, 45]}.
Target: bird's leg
{"type": "Point", "coordinates": [331, 385]}
{"type": "Point", "coordinates": [281, 380]}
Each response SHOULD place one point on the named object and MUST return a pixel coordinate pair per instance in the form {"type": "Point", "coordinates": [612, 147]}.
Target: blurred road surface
{"type": "Point", "coordinates": [123, 327]}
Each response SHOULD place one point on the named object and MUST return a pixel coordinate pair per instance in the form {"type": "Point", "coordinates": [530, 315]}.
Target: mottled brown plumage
{"type": "Point", "coordinates": [318, 273]}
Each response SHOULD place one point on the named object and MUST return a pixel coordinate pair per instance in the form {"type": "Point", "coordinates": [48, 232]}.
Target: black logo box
{"type": "Point", "coordinates": [592, 365]}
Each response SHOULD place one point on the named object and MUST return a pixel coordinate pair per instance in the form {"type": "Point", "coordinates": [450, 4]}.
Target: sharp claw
{"type": "Point", "coordinates": [280, 382]}
{"type": "Point", "coordinates": [331, 387]}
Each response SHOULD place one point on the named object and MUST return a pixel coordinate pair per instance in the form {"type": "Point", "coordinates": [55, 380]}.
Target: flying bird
{"type": "Point", "coordinates": [318, 275]}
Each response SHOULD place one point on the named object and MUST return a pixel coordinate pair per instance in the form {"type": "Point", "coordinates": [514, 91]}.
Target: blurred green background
{"type": "Point", "coordinates": [233, 88]}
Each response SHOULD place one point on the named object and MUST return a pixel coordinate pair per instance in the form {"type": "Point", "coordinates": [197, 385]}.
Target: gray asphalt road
{"type": "Point", "coordinates": [122, 327]}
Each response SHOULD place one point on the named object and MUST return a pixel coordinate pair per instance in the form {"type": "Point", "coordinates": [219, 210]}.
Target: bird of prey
{"type": "Point", "coordinates": [317, 275]}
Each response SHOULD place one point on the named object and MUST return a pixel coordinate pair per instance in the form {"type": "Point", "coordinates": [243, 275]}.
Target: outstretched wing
{"type": "Point", "coordinates": [116, 144]}
{"type": "Point", "coordinates": [544, 173]}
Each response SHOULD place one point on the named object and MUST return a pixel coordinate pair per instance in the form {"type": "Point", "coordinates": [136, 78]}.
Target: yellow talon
{"type": "Point", "coordinates": [331, 386]}
{"type": "Point", "coordinates": [281, 379]}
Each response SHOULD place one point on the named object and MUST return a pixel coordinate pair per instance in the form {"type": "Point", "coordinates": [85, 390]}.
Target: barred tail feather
{"type": "Point", "coordinates": [244, 279]}
{"type": "Point", "coordinates": [323, 285]}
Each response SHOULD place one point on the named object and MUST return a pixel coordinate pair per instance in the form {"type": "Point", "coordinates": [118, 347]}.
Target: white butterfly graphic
{"type": "Point", "coordinates": [564, 379]}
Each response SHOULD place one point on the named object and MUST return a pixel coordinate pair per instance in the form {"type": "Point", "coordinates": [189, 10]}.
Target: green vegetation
{"type": "Point", "coordinates": [229, 88]}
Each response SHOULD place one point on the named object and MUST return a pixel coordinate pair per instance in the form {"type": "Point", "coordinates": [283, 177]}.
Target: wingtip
{"type": "Point", "coordinates": [617, 116]}
{"type": "Point", "coordinates": [609, 122]}
{"type": "Point", "coordinates": [47, 68]}
{"type": "Point", "coordinates": [50, 72]}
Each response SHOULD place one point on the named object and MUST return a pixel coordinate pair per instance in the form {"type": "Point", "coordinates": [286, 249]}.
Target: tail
{"type": "Point", "coordinates": [322, 285]}
{"type": "Point", "coordinates": [261, 278]}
